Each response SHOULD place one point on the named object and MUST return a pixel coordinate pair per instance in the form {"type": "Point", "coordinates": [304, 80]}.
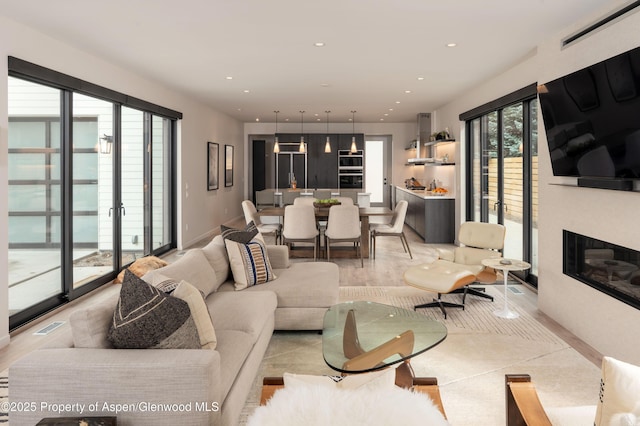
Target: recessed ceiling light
{"type": "Point", "coordinates": [407, 91]}
{"type": "Point", "coordinates": [245, 91]}
{"type": "Point", "coordinates": [386, 114]}
{"type": "Point", "coordinates": [257, 119]}
{"type": "Point", "coordinates": [324, 85]}
{"type": "Point", "coordinates": [318, 44]}
{"type": "Point", "coordinates": [420, 78]}
{"type": "Point", "coordinates": [397, 102]}
{"type": "Point", "coordinates": [382, 119]}
{"type": "Point", "coordinates": [390, 109]}
{"type": "Point", "coordinates": [229, 77]}
{"type": "Point", "coordinates": [451, 44]}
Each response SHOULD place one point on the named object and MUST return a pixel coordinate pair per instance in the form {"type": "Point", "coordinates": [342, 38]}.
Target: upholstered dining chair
{"type": "Point", "coordinates": [251, 214]}
{"type": "Point", "coordinates": [300, 226]}
{"type": "Point", "coordinates": [322, 194]}
{"type": "Point", "coordinates": [456, 270]}
{"type": "Point", "coordinates": [392, 229]}
{"type": "Point", "coordinates": [345, 201]}
{"type": "Point", "coordinates": [304, 201]}
{"type": "Point", "coordinates": [343, 226]}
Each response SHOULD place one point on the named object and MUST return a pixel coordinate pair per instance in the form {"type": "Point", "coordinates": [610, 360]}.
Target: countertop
{"type": "Point", "coordinates": [425, 194]}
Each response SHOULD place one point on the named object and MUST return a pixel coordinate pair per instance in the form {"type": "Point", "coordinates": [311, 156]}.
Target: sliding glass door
{"type": "Point", "coordinates": [502, 175]}
{"type": "Point", "coordinates": [90, 191]}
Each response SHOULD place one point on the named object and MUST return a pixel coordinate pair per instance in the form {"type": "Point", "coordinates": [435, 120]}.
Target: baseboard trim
{"type": "Point", "coordinates": [4, 341]}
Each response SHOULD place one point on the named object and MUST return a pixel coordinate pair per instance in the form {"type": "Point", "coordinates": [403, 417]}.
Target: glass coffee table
{"type": "Point", "coordinates": [359, 337]}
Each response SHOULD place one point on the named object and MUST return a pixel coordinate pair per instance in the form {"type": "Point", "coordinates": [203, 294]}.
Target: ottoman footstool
{"type": "Point", "coordinates": [440, 277]}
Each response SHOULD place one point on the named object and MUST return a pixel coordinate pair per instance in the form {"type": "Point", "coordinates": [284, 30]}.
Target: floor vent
{"type": "Point", "coordinates": [601, 23]}
{"type": "Point", "coordinates": [515, 289]}
{"type": "Point", "coordinates": [48, 329]}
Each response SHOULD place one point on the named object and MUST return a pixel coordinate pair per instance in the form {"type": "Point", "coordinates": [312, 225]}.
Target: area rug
{"type": "Point", "coordinates": [469, 364]}
{"type": "Point", "coordinates": [476, 316]}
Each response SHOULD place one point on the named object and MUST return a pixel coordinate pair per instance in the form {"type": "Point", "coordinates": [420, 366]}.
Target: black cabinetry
{"type": "Point", "coordinates": [432, 218]}
{"type": "Point", "coordinates": [323, 166]}
{"type": "Point", "coordinates": [344, 141]}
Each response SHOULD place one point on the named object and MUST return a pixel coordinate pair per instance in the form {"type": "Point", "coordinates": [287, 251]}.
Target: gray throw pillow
{"type": "Point", "coordinates": [147, 318]}
{"type": "Point", "coordinates": [239, 235]}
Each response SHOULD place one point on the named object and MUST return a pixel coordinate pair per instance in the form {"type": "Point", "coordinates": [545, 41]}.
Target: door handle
{"type": "Point", "coordinates": [497, 203]}
{"type": "Point", "coordinates": [122, 209]}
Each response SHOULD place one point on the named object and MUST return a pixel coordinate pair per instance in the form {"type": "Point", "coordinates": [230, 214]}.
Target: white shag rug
{"type": "Point", "coordinates": [316, 405]}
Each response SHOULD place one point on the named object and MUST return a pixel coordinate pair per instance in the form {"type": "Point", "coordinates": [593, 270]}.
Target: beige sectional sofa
{"type": "Point", "coordinates": [175, 386]}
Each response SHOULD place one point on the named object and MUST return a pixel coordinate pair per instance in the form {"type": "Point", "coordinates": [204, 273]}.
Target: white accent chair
{"type": "Point", "coordinates": [392, 229]}
{"type": "Point", "coordinates": [455, 270]}
{"type": "Point", "coordinates": [343, 226]}
{"type": "Point", "coordinates": [251, 214]}
{"type": "Point", "coordinates": [300, 226]}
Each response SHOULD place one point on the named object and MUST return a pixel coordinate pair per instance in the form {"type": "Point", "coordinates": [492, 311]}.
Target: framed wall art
{"type": "Point", "coordinates": [213, 158]}
{"type": "Point", "coordinates": [228, 165]}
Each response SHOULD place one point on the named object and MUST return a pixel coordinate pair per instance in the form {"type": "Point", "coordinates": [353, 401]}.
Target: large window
{"type": "Point", "coordinates": [90, 186]}
{"type": "Point", "coordinates": [502, 149]}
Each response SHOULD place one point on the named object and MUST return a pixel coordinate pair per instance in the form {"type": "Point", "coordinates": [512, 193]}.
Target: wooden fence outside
{"type": "Point", "coordinates": [513, 187]}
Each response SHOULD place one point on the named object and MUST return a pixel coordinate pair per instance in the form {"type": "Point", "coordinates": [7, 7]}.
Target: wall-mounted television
{"type": "Point", "coordinates": [592, 120]}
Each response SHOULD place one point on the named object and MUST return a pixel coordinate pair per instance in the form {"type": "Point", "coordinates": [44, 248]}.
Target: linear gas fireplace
{"type": "Point", "coordinates": [607, 267]}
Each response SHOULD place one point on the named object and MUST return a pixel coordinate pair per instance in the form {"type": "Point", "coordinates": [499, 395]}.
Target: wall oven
{"type": "Point", "coordinates": [350, 180]}
{"type": "Point", "coordinates": [349, 161]}
{"type": "Point", "coordinates": [350, 169]}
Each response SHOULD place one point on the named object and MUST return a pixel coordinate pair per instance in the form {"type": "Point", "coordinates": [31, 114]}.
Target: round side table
{"type": "Point", "coordinates": [506, 265]}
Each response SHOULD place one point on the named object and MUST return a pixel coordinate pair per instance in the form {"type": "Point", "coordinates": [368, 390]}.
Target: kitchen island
{"type": "Point", "coordinates": [431, 216]}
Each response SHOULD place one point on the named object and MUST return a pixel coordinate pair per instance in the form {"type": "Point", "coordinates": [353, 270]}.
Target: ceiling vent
{"type": "Point", "coordinates": [602, 22]}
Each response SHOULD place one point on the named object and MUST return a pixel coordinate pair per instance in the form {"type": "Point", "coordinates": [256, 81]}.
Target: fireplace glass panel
{"type": "Point", "coordinates": [607, 267]}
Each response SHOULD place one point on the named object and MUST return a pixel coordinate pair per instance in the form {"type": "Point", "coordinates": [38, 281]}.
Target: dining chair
{"type": "Point", "coordinates": [251, 214]}
{"type": "Point", "coordinates": [300, 226]}
{"type": "Point", "coordinates": [304, 201]}
{"type": "Point", "coordinates": [393, 229]}
{"type": "Point", "coordinates": [345, 201]}
{"type": "Point", "coordinates": [343, 226]}
{"type": "Point", "coordinates": [322, 194]}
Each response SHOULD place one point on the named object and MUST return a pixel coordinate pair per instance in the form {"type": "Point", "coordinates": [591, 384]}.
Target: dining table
{"type": "Point", "coordinates": [322, 213]}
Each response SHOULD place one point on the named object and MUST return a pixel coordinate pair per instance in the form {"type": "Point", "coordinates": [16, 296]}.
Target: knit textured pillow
{"type": "Point", "coordinates": [147, 318]}
{"type": "Point", "coordinates": [249, 263]}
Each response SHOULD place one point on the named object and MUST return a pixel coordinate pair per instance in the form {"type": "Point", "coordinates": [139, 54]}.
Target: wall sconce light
{"type": "Point", "coordinates": [106, 142]}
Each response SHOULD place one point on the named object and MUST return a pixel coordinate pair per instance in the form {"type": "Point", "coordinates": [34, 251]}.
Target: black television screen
{"type": "Point", "coordinates": [592, 119]}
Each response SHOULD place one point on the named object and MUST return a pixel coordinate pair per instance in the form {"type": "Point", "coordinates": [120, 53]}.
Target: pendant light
{"type": "Point", "coordinates": [327, 144]}
{"type": "Point", "coordinates": [354, 148]}
{"type": "Point", "coordinates": [301, 148]}
{"type": "Point", "coordinates": [276, 145]}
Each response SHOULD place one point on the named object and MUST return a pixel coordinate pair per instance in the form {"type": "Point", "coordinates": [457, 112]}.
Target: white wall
{"type": "Point", "coordinates": [606, 324]}
{"type": "Point", "coordinates": [202, 210]}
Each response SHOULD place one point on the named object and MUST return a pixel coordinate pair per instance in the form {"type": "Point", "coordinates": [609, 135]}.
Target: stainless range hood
{"type": "Point", "coordinates": [424, 133]}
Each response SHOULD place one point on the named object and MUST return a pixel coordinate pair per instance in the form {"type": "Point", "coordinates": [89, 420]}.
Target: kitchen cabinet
{"type": "Point", "coordinates": [323, 167]}
{"type": "Point", "coordinates": [432, 217]}
{"type": "Point", "coordinates": [344, 141]}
